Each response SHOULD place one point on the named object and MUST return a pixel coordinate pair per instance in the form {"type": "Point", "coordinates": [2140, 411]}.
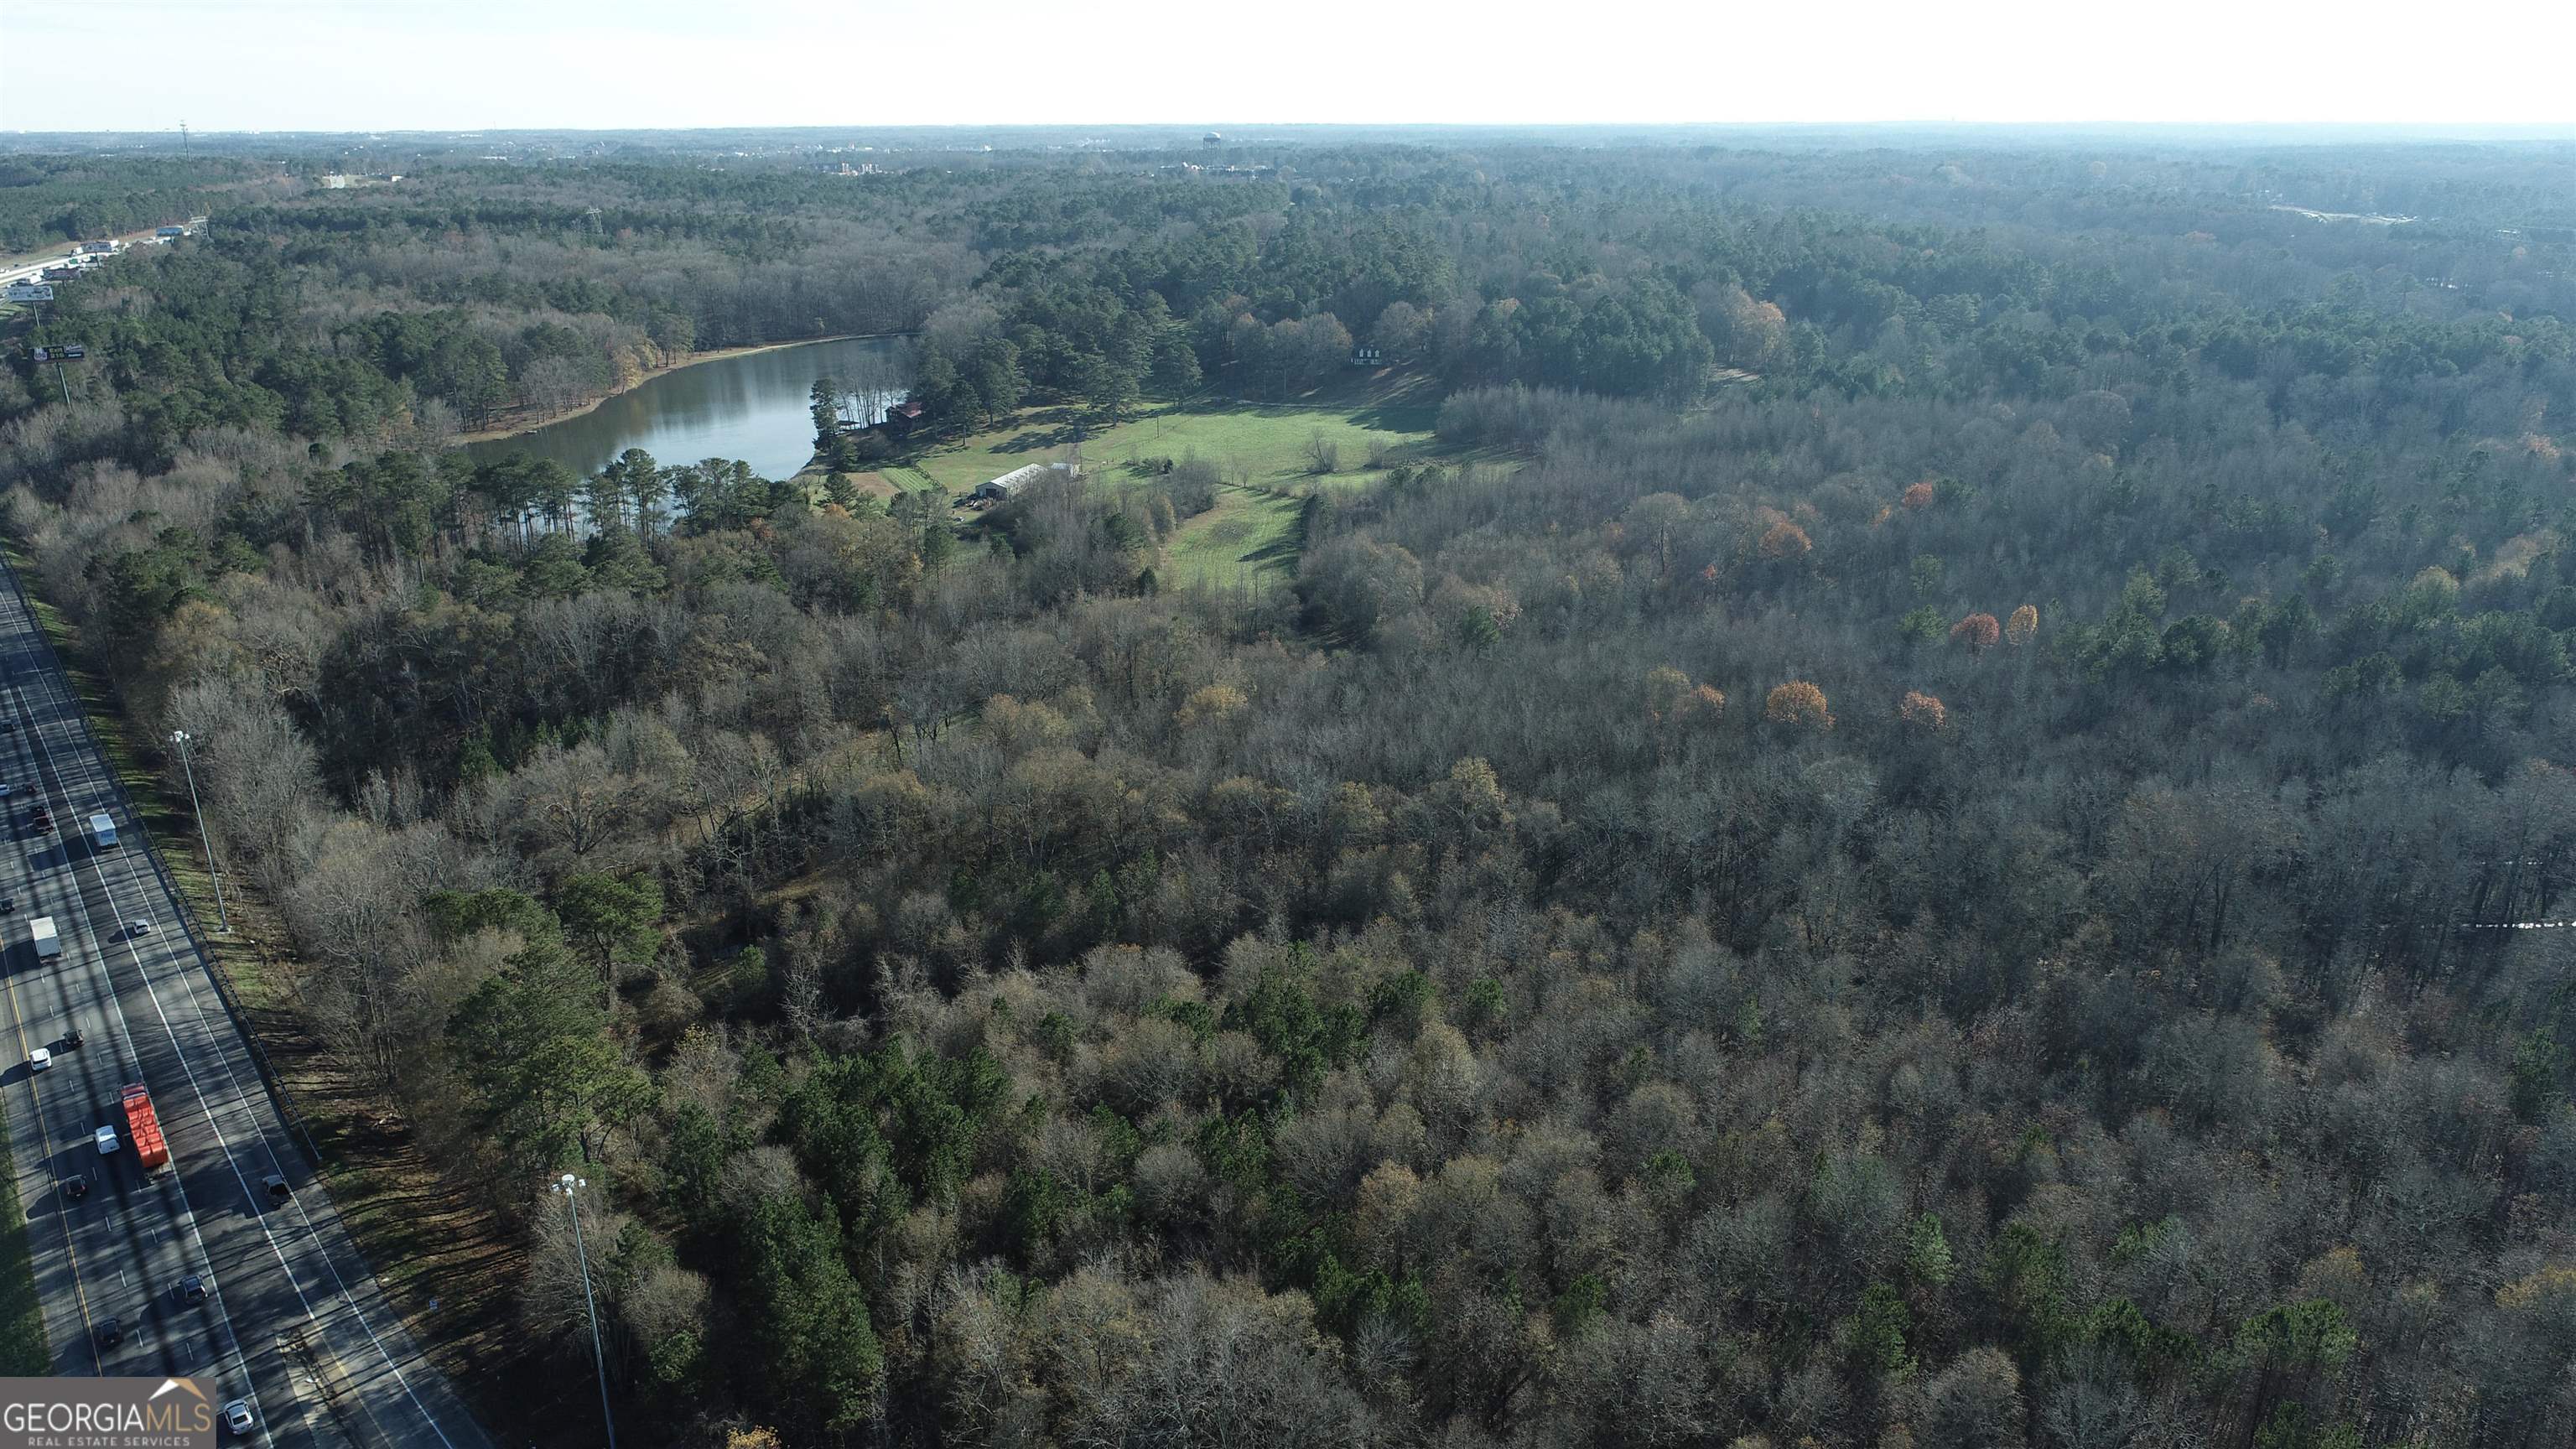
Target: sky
{"type": "Point", "coordinates": [341, 65]}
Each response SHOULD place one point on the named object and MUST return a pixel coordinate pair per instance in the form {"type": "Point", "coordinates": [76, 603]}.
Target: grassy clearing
{"type": "Point", "coordinates": [1248, 539]}
{"type": "Point", "coordinates": [1264, 451]}
{"type": "Point", "coordinates": [1258, 445]}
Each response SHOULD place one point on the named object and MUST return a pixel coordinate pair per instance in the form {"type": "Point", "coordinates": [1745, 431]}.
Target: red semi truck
{"type": "Point", "coordinates": [145, 1128]}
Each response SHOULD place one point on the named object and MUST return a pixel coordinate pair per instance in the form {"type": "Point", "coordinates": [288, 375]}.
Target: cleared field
{"type": "Point", "coordinates": [1264, 452]}
{"type": "Point", "coordinates": [1260, 445]}
{"type": "Point", "coordinates": [1248, 538]}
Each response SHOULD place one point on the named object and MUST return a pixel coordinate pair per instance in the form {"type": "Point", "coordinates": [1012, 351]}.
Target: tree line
{"type": "Point", "coordinates": [1949, 883]}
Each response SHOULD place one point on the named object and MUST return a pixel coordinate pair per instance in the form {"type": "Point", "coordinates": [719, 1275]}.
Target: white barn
{"type": "Point", "coordinates": [1000, 489]}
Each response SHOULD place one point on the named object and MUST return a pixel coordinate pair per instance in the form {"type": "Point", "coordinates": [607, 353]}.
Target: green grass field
{"type": "Point", "coordinates": [1260, 445]}
{"type": "Point", "coordinates": [1261, 449]}
{"type": "Point", "coordinates": [1248, 539]}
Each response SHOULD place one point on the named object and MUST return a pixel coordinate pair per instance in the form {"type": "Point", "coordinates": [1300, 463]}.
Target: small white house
{"type": "Point", "coordinates": [1000, 489]}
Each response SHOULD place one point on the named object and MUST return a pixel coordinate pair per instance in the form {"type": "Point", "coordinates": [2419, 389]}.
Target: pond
{"type": "Point", "coordinates": [755, 406]}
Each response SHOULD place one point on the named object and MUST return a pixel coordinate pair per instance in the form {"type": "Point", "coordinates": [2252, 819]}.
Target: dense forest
{"type": "Point", "coordinates": [1910, 838]}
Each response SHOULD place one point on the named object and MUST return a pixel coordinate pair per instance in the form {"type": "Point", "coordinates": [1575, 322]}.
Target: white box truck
{"type": "Point", "coordinates": [40, 934]}
{"type": "Point", "coordinates": [102, 832]}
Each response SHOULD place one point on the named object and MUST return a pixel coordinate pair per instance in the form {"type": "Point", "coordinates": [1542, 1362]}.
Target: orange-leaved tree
{"type": "Point", "coordinates": [1977, 631]}
{"type": "Point", "coordinates": [1798, 703]}
{"type": "Point", "coordinates": [1677, 705]}
{"type": "Point", "coordinates": [1921, 710]}
{"type": "Point", "coordinates": [2022, 627]}
{"type": "Point", "coordinates": [1784, 540]}
{"type": "Point", "coordinates": [1672, 699]}
{"type": "Point", "coordinates": [1920, 495]}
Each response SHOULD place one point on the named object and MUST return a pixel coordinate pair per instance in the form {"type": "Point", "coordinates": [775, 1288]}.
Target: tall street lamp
{"type": "Point", "coordinates": [183, 739]}
{"type": "Point", "coordinates": [569, 1185]}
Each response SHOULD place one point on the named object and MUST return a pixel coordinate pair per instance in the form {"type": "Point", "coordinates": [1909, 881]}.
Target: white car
{"type": "Point", "coordinates": [237, 1416]}
{"type": "Point", "coordinates": [6, 789]}
{"type": "Point", "coordinates": [138, 928]}
{"type": "Point", "coordinates": [39, 1059]}
{"type": "Point", "coordinates": [106, 1140]}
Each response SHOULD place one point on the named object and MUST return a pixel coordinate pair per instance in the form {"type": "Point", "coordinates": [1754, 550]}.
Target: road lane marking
{"type": "Point", "coordinates": [116, 1008]}
{"type": "Point", "coordinates": [53, 1186]}
{"type": "Point", "coordinates": [53, 685]}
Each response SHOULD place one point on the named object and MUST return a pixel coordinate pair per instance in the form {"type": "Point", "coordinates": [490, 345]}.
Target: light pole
{"type": "Point", "coordinates": [182, 739]}
{"type": "Point", "coordinates": [569, 1185]}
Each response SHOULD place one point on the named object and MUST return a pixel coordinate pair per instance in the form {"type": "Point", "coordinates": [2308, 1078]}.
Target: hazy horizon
{"type": "Point", "coordinates": [480, 65]}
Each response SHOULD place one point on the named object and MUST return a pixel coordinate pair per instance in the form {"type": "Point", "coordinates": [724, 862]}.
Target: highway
{"type": "Point", "coordinates": [291, 1320]}
{"type": "Point", "coordinates": [31, 271]}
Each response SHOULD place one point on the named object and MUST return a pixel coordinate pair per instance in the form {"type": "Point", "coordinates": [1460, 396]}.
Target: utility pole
{"type": "Point", "coordinates": [183, 739]}
{"type": "Point", "coordinates": [183, 138]}
{"type": "Point", "coordinates": [569, 1185]}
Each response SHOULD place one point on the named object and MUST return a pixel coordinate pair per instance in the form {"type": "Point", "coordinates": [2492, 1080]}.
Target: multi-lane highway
{"type": "Point", "coordinates": [289, 1318]}
{"type": "Point", "coordinates": [28, 271]}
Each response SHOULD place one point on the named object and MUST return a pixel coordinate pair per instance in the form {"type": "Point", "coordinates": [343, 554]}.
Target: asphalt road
{"type": "Point", "coordinates": [292, 1320]}
{"type": "Point", "coordinates": [32, 271]}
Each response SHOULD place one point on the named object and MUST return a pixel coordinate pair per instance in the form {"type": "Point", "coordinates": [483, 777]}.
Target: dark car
{"type": "Point", "coordinates": [192, 1289]}
{"type": "Point", "coordinates": [76, 1188]}
{"type": "Point", "coordinates": [278, 1191]}
{"type": "Point", "coordinates": [111, 1333]}
{"type": "Point", "coordinates": [8, 905]}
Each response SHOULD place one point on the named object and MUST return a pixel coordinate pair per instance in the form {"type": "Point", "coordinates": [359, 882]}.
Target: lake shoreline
{"type": "Point", "coordinates": [521, 430]}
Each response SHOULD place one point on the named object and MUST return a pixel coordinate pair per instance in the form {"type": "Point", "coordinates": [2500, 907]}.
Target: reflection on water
{"type": "Point", "coordinates": [754, 407]}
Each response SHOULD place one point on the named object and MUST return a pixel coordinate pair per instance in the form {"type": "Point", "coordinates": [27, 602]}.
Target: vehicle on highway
{"type": "Point", "coordinates": [237, 1417]}
{"type": "Point", "coordinates": [106, 1139]}
{"type": "Point", "coordinates": [138, 927]}
{"type": "Point", "coordinates": [110, 1333]}
{"type": "Point", "coordinates": [191, 1289]}
{"type": "Point", "coordinates": [72, 1040]}
{"type": "Point", "coordinates": [42, 935]}
{"type": "Point", "coordinates": [8, 905]}
{"type": "Point", "coordinates": [150, 1151]}
{"type": "Point", "coordinates": [7, 789]}
{"type": "Point", "coordinates": [102, 832]}
{"type": "Point", "coordinates": [278, 1191]}
{"type": "Point", "coordinates": [39, 1059]}
{"type": "Point", "coordinates": [76, 1188]}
